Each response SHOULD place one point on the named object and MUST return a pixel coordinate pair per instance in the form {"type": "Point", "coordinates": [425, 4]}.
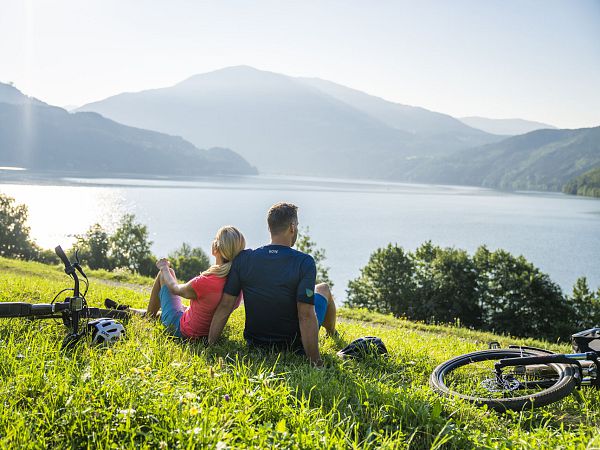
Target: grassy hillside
{"type": "Point", "coordinates": [150, 391]}
{"type": "Point", "coordinates": [587, 184]}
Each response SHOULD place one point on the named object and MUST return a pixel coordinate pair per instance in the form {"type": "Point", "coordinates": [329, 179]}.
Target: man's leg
{"type": "Point", "coordinates": [331, 314]}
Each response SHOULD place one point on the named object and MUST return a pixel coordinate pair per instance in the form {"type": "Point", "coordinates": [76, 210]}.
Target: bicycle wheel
{"type": "Point", "coordinates": [472, 377]}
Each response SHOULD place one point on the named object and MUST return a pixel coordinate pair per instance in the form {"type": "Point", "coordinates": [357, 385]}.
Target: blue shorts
{"type": "Point", "coordinates": [171, 311]}
{"type": "Point", "coordinates": [320, 307]}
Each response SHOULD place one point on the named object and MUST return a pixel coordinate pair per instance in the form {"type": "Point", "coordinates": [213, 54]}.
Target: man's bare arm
{"type": "Point", "coordinates": [309, 332]}
{"type": "Point", "coordinates": [220, 317]}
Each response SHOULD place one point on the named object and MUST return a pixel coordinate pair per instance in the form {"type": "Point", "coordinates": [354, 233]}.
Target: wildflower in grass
{"type": "Point", "coordinates": [226, 397]}
{"type": "Point", "coordinates": [130, 412]}
{"type": "Point", "coordinates": [162, 445]}
{"type": "Point", "coordinates": [194, 411]}
{"type": "Point", "coordinates": [188, 397]}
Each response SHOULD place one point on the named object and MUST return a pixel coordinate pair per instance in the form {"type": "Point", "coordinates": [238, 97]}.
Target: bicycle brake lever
{"type": "Point", "coordinates": [79, 269]}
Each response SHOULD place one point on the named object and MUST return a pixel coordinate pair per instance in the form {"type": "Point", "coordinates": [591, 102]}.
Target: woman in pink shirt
{"type": "Point", "coordinates": [203, 291]}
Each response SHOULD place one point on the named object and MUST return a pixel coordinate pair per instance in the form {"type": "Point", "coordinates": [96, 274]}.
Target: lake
{"type": "Point", "coordinates": [348, 218]}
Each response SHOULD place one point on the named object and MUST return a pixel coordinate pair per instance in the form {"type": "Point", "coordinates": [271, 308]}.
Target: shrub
{"type": "Point", "coordinates": [188, 262]}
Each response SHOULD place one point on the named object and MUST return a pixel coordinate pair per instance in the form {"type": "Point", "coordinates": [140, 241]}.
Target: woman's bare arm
{"type": "Point", "coordinates": [182, 290]}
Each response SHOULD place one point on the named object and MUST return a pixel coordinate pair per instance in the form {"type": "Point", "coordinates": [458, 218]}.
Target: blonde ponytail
{"type": "Point", "coordinates": [229, 241]}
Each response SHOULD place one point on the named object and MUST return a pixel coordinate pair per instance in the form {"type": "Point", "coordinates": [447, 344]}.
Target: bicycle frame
{"type": "Point", "coordinates": [588, 375]}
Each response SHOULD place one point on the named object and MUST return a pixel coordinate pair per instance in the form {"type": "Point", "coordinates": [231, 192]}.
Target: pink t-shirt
{"type": "Point", "coordinates": [195, 321]}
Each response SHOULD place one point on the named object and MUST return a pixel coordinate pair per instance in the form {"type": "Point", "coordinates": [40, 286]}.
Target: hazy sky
{"type": "Point", "coordinates": [539, 60]}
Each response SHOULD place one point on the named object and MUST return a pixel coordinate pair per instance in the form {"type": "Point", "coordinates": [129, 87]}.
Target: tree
{"type": "Point", "coordinates": [386, 283]}
{"type": "Point", "coordinates": [517, 298]}
{"type": "Point", "coordinates": [93, 248]}
{"type": "Point", "coordinates": [491, 290]}
{"type": "Point", "coordinates": [188, 262]}
{"type": "Point", "coordinates": [14, 232]}
{"type": "Point", "coordinates": [446, 280]}
{"type": "Point", "coordinates": [586, 305]}
{"type": "Point", "coordinates": [306, 245]}
{"type": "Point", "coordinates": [130, 247]}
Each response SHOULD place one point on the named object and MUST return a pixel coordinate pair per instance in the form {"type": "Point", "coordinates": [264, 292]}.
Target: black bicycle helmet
{"type": "Point", "coordinates": [106, 331]}
{"type": "Point", "coordinates": [361, 347]}
{"type": "Point", "coordinates": [586, 341]}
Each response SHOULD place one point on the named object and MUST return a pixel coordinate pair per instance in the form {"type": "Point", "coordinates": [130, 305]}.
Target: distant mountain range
{"type": "Point", "coordinates": [540, 160]}
{"type": "Point", "coordinates": [292, 125]}
{"type": "Point", "coordinates": [289, 125]}
{"type": "Point", "coordinates": [509, 127]}
{"type": "Point", "coordinates": [38, 136]}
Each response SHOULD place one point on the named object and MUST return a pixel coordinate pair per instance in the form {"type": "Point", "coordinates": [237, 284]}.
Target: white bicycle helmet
{"type": "Point", "coordinates": [106, 331]}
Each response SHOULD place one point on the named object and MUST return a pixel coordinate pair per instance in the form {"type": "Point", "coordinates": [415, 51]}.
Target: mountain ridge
{"type": "Point", "coordinates": [39, 136]}
{"type": "Point", "coordinates": [508, 127]}
{"type": "Point", "coordinates": [539, 160]}
{"type": "Point", "coordinates": [281, 124]}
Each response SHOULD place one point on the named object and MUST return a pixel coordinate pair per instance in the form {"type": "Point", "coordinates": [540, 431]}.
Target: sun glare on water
{"type": "Point", "coordinates": [58, 213]}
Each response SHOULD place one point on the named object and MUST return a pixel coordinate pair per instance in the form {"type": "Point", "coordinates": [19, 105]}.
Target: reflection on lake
{"type": "Point", "coordinates": [350, 219]}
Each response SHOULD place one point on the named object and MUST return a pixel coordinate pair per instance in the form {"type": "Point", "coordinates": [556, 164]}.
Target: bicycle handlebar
{"type": "Point", "coordinates": [20, 309]}
{"type": "Point", "coordinates": [61, 254]}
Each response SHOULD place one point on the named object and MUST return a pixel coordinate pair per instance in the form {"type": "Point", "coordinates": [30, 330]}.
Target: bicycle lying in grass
{"type": "Point", "coordinates": [73, 311]}
{"type": "Point", "coordinates": [518, 378]}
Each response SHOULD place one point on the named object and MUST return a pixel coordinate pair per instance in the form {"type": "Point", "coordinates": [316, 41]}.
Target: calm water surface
{"type": "Point", "coordinates": [558, 233]}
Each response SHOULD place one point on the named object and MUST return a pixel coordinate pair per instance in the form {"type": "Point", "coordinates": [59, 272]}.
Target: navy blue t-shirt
{"type": "Point", "coordinates": [274, 278]}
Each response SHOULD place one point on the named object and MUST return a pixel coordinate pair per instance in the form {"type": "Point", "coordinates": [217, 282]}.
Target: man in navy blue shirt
{"type": "Point", "coordinates": [283, 306]}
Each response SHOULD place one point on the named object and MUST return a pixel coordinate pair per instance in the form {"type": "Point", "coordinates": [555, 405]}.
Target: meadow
{"type": "Point", "coordinates": [152, 391]}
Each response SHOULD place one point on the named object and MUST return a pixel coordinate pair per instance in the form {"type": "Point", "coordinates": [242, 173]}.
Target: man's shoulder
{"type": "Point", "coordinates": [275, 250]}
{"type": "Point", "coordinates": [304, 258]}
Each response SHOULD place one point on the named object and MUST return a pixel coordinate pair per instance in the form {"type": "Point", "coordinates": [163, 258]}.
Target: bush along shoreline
{"type": "Point", "coordinates": [489, 290]}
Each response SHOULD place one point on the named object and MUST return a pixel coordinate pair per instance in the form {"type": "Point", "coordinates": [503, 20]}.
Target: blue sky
{"type": "Point", "coordinates": [539, 60]}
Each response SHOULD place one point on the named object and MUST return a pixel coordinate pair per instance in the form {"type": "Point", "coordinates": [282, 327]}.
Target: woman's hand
{"type": "Point", "coordinates": [163, 263]}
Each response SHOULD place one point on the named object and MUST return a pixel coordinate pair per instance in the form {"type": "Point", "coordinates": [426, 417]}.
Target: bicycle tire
{"type": "Point", "coordinates": [563, 383]}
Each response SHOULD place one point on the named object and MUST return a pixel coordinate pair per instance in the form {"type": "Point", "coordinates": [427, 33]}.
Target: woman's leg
{"type": "Point", "coordinates": [154, 302]}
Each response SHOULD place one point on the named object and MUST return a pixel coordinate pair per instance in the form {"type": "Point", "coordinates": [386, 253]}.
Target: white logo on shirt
{"type": "Point", "coordinates": [273, 251]}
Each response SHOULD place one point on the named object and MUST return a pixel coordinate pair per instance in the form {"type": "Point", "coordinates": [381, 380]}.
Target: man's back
{"type": "Point", "coordinates": [273, 278]}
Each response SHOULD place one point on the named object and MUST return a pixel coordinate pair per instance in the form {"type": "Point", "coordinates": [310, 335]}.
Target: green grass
{"type": "Point", "coordinates": [150, 391]}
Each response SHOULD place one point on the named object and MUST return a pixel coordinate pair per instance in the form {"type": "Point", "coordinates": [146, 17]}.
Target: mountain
{"type": "Point", "coordinates": [288, 125]}
{"type": "Point", "coordinates": [10, 94]}
{"type": "Point", "coordinates": [43, 137]}
{"type": "Point", "coordinates": [540, 160]}
{"type": "Point", "coordinates": [508, 127]}
{"type": "Point", "coordinates": [436, 132]}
